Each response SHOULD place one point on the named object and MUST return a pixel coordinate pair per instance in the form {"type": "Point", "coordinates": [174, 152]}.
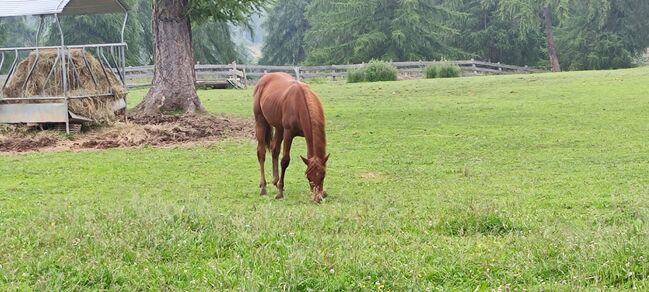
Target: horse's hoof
{"type": "Point", "coordinates": [317, 199]}
{"type": "Point", "coordinates": [279, 196]}
{"type": "Point", "coordinates": [324, 195]}
{"type": "Point", "coordinates": [263, 192]}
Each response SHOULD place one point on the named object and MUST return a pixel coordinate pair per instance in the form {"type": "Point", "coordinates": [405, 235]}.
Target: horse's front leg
{"type": "Point", "coordinates": [286, 159]}
{"type": "Point", "coordinates": [275, 148]}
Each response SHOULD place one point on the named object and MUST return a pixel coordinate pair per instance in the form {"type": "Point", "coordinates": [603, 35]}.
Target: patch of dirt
{"type": "Point", "coordinates": [370, 175]}
{"type": "Point", "coordinates": [26, 144]}
{"type": "Point", "coordinates": [140, 131]}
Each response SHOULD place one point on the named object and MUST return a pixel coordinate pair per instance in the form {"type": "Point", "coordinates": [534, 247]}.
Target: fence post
{"type": "Point", "coordinates": [297, 72]}
{"type": "Point", "coordinates": [421, 66]}
{"type": "Point", "coordinates": [500, 68]}
{"type": "Point", "coordinates": [245, 78]}
{"type": "Point", "coordinates": [333, 72]}
{"type": "Point", "coordinates": [234, 71]}
{"type": "Point", "coordinates": [475, 70]}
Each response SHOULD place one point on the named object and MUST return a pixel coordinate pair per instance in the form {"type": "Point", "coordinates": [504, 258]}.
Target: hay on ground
{"type": "Point", "coordinates": [80, 82]}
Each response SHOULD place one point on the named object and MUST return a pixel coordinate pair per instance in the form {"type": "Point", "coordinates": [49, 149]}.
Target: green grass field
{"type": "Point", "coordinates": [528, 181]}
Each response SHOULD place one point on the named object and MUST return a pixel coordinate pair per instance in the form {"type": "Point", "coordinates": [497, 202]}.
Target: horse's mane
{"type": "Point", "coordinates": [316, 118]}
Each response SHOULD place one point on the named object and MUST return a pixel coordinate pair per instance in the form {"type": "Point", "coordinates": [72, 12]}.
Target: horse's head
{"type": "Point", "coordinates": [316, 169]}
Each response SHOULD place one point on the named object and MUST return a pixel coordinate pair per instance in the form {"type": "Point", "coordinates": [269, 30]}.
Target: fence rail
{"type": "Point", "coordinates": [142, 75]}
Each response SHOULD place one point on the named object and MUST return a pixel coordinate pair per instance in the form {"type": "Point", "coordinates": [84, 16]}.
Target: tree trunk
{"type": "Point", "coordinates": [173, 88]}
{"type": "Point", "coordinates": [549, 35]}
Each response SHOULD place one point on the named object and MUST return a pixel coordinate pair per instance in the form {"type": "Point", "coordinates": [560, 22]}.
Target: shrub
{"type": "Point", "coordinates": [356, 75]}
{"type": "Point", "coordinates": [431, 71]}
{"type": "Point", "coordinates": [373, 72]}
{"type": "Point", "coordinates": [449, 71]}
{"type": "Point", "coordinates": [380, 71]}
{"type": "Point", "coordinates": [442, 71]}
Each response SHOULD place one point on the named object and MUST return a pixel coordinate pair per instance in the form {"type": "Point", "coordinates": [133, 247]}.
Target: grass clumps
{"type": "Point", "coordinates": [442, 71]}
{"type": "Point", "coordinates": [471, 223]}
{"type": "Point", "coordinates": [374, 71]}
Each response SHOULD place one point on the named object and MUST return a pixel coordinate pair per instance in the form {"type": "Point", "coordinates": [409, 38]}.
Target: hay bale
{"type": "Point", "coordinates": [97, 107]}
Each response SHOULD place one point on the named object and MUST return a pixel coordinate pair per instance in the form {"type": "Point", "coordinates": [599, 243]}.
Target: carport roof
{"type": "Point", "coordinates": [65, 7]}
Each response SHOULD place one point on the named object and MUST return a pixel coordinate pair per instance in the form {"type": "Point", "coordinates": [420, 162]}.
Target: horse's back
{"type": "Point", "coordinates": [270, 94]}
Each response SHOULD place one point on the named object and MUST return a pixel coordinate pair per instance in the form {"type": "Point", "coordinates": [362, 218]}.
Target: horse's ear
{"type": "Point", "coordinates": [306, 161]}
{"type": "Point", "coordinates": [326, 158]}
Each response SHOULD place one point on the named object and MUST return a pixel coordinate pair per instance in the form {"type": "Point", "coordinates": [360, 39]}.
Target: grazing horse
{"type": "Point", "coordinates": [293, 109]}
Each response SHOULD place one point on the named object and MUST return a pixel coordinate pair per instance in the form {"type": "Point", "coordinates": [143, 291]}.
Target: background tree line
{"type": "Point", "coordinates": [573, 34]}
{"type": "Point", "coordinates": [585, 34]}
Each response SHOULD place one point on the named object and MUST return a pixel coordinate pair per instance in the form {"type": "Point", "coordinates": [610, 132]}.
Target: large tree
{"type": "Point", "coordinates": [528, 16]}
{"type": "Point", "coordinates": [174, 78]}
{"type": "Point", "coordinates": [484, 35]}
{"type": "Point", "coordinates": [354, 31]}
{"type": "Point", "coordinates": [604, 34]}
{"type": "Point", "coordinates": [286, 25]}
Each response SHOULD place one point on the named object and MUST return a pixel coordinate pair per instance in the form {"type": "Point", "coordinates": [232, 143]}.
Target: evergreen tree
{"type": "Point", "coordinates": [3, 33]}
{"type": "Point", "coordinates": [106, 28]}
{"type": "Point", "coordinates": [19, 31]}
{"type": "Point", "coordinates": [286, 26]}
{"type": "Point", "coordinates": [213, 44]}
{"type": "Point", "coordinates": [604, 34]}
{"type": "Point", "coordinates": [354, 31]}
{"type": "Point", "coordinates": [484, 35]}
{"type": "Point", "coordinates": [527, 16]}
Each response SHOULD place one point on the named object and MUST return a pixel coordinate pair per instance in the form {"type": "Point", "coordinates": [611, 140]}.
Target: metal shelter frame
{"type": "Point", "coordinates": [54, 108]}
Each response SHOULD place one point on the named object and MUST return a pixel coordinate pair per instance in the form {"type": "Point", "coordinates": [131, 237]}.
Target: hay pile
{"type": "Point", "coordinates": [80, 83]}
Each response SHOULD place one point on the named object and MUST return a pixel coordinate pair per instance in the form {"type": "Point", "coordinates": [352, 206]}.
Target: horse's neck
{"type": "Point", "coordinates": [318, 141]}
{"type": "Point", "coordinates": [314, 132]}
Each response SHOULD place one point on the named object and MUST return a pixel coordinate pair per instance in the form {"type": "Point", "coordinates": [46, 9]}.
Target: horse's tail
{"type": "Point", "coordinates": [268, 131]}
{"type": "Point", "coordinates": [269, 136]}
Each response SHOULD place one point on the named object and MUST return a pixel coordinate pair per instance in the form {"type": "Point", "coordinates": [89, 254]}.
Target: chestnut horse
{"type": "Point", "coordinates": [293, 109]}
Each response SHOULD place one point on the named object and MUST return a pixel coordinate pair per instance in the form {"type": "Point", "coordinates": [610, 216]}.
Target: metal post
{"type": "Point", "coordinates": [123, 51]}
{"type": "Point", "coordinates": [65, 76]}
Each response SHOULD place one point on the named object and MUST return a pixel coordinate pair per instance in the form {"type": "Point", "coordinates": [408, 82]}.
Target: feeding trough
{"type": "Point", "coordinates": [62, 84]}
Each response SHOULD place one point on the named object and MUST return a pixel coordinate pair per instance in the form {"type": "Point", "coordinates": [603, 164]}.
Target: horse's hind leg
{"type": "Point", "coordinates": [275, 148]}
{"type": "Point", "coordinates": [262, 131]}
{"type": "Point", "coordinates": [286, 159]}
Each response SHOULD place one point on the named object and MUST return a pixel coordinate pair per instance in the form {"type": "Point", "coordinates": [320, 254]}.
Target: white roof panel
{"type": "Point", "coordinates": [68, 7]}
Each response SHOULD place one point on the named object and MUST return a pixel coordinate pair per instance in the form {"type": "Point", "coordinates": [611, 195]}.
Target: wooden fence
{"type": "Point", "coordinates": [241, 74]}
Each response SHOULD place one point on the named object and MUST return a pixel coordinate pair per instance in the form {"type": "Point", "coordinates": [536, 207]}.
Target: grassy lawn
{"type": "Point", "coordinates": [529, 181]}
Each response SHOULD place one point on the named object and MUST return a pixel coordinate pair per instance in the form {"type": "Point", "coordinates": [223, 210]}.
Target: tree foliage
{"type": "Point", "coordinates": [104, 28]}
{"type": "Point", "coordinates": [484, 35]}
{"type": "Point", "coordinates": [213, 44]}
{"type": "Point", "coordinates": [234, 11]}
{"type": "Point", "coordinates": [286, 26]}
{"type": "Point", "coordinates": [354, 31]}
{"type": "Point", "coordinates": [604, 34]}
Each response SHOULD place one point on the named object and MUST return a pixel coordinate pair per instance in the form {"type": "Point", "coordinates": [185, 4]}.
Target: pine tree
{"type": "Point", "coordinates": [354, 31]}
{"type": "Point", "coordinates": [212, 44]}
{"type": "Point", "coordinates": [484, 35]}
{"type": "Point", "coordinates": [286, 26]}
{"type": "Point", "coordinates": [604, 34]}
{"type": "Point", "coordinates": [527, 16]}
